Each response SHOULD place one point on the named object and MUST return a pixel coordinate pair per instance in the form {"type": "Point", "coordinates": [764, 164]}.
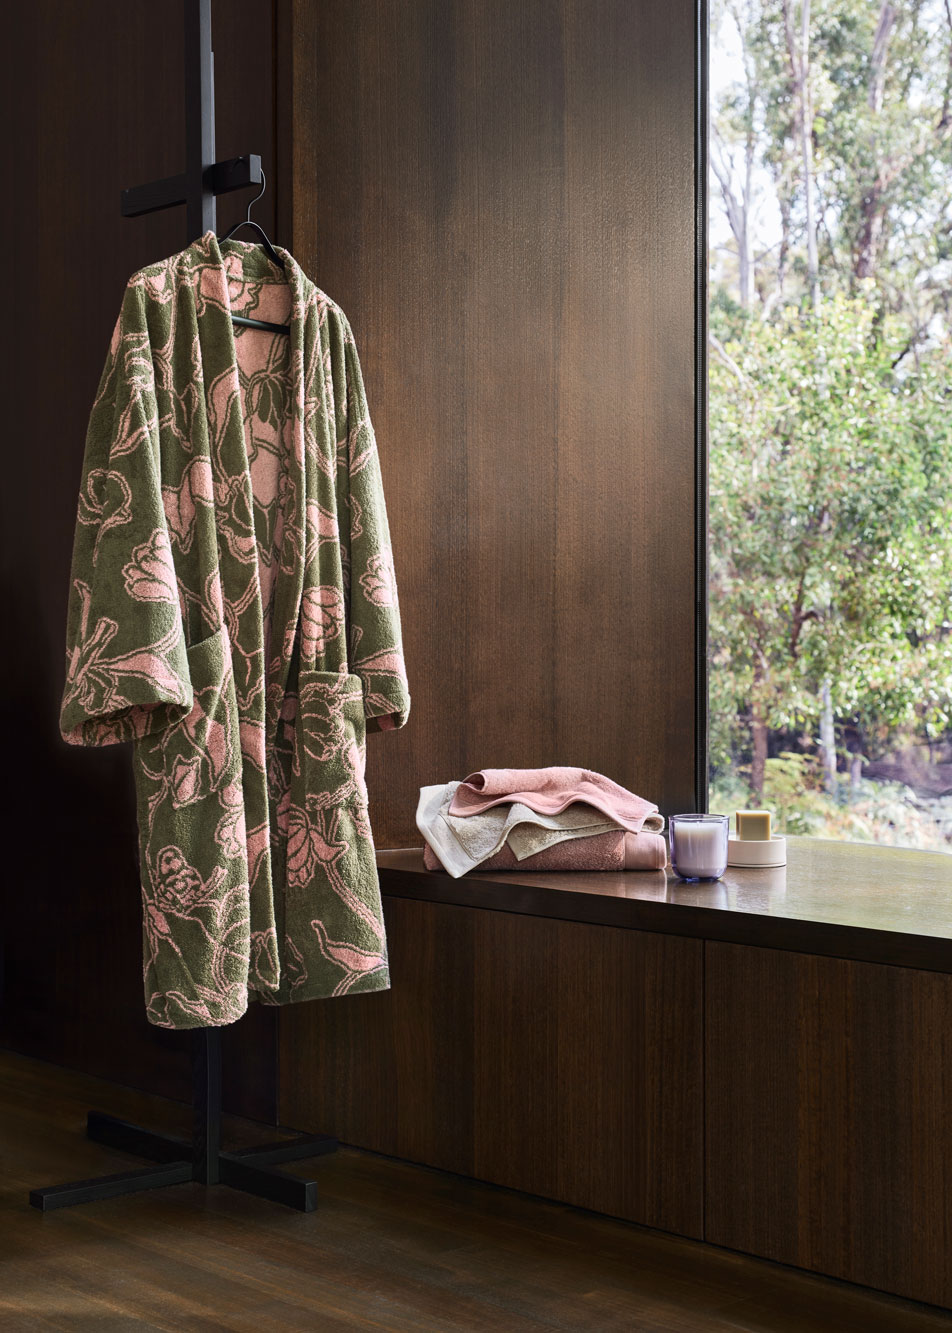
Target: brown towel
{"type": "Point", "coordinates": [605, 851]}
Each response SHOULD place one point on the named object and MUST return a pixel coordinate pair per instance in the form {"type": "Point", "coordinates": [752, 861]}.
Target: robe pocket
{"type": "Point", "coordinates": [331, 734]}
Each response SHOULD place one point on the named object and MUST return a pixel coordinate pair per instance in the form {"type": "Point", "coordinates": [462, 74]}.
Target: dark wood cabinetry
{"type": "Point", "coordinates": [733, 1062]}
{"type": "Point", "coordinates": [551, 1056]}
{"type": "Point", "coordinates": [829, 1116]}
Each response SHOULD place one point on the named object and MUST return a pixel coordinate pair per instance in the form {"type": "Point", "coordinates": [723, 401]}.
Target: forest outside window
{"type": "Point", "coordinates": [831, 415]}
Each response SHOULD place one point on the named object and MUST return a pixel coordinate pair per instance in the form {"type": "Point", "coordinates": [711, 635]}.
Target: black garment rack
{"type": "Point", "coordinates": [201, 1159]}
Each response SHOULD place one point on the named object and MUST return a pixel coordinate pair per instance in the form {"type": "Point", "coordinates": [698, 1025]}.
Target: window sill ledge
{"type": "Point", "coordinates": [843, 900]}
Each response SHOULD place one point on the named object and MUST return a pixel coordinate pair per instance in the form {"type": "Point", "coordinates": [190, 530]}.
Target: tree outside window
{"type": "Point", "coordinates": [831, 415]}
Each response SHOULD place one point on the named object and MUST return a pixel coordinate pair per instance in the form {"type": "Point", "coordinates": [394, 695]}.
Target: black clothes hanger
{"type": "Point", "coordinates": [272, 254]}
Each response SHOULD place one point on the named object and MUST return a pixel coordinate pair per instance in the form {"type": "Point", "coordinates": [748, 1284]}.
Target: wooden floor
{"type": "Point", "coordinates": [392, 1247]}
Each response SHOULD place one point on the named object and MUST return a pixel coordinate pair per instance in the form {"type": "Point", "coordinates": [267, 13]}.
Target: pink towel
{"type": "Point", "coordinates": [604, 851]}
{"type": "Point", "coordinates": [549, 790]}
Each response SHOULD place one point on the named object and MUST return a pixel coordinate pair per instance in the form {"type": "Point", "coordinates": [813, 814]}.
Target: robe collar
{"type": "Point", "coordinates": [240, 585]}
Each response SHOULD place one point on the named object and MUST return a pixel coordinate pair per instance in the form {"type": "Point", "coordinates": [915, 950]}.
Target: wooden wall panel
{"type": "Point", "coordinates": [393, 1071]}
{"type": "Point", "coordinates": [829, 1116]}
{"type": "Point", "coordinates": [95, 89]}
{"type": "Point", "coordinates": [501, 198]}
{"type": "Point", "coordinates": [549, 1056]}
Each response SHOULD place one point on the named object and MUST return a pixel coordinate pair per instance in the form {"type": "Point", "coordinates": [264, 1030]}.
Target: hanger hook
{"type": "Point", "coordinates": [264, 186]}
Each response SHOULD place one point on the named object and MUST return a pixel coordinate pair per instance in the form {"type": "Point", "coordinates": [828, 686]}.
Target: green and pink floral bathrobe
{"type": "Point", "coordinates": [233, 613]}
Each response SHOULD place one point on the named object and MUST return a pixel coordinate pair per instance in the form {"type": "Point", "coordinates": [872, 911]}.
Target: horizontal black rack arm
{"type": "Point", "coordinates": [236, 173]}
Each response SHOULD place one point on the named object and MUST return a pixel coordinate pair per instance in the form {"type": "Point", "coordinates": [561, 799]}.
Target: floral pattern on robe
{"type": "Point", "coordinates": [233, 613]}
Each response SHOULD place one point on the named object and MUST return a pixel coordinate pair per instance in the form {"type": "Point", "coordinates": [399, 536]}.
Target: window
{"type": "Point", "coordinates": [830, 388]}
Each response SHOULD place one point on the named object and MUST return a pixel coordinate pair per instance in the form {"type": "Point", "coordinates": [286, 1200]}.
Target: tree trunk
{"type": "Point", "coordinates": [827, 738]}
{"type": "Point", "coordinates": [784, 246]}
{"type": "Point", "coordinates": [798, 62]}
{"type": "Point", "coordinates": [758, 763]}
{"type": "Point", "coordinates": [745, 264]}
{"type": "Point", "coordinates": [738, 194]}
{"type": "Point", "coordinates": [806, 143]}
{"type": "Point", "coordinates": [877, 65]}
{"type": "Point", "coordinates": [872, 208]}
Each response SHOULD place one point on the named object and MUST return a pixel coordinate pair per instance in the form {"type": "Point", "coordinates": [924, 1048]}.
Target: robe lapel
{"type": "Point", "coordinates": [289, 580]}
{"type": "Point", "coordinates": [261, 653]}
{"type": "Point", "coordinates": [270, 648]}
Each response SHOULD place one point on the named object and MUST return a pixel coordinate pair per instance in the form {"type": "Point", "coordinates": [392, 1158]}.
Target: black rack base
{"type": "Point", "coordinates": [200, 1158]}
{"type": "Point", "coordinates": [250, 1169]}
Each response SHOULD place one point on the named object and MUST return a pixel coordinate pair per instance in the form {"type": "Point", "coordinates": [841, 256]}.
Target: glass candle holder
{"type": "Point", "coordinates": [698, 845]}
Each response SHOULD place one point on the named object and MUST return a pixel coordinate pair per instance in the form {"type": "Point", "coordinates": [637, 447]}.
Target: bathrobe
{"type": "Point", "coordinates": [233, 613]}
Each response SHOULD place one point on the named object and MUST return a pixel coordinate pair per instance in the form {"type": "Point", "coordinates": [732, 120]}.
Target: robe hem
{"type": "Point", "coordinates": [379, 982]}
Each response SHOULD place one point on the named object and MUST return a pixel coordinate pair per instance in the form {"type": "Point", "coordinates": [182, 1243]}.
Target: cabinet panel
{"type": "Point", "coordinates": [829, 1116]}
{"type": "Point", "coordinates": [588, 1084]}
{"type": "Point", "coordinates": [393, 1070]}
{"type": "Point", "coordinates": [550, 1056]}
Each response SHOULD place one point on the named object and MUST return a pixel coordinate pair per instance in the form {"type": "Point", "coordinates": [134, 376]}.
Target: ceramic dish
{"type": "Point", "coordinates": [770, 852]}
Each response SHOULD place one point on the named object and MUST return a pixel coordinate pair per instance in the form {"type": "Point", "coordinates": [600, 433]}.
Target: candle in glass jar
{"type": "Point", "coordinates": [698, 845]}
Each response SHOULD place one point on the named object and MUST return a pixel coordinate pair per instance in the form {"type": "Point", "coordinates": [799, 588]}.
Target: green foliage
{"type": "Point", "coordinates": [792, 788]}
{"type": "Point", "coordinates": [883, 812]}
{"type": "Point", "coordinates": [831, 426]}
{"type": "Point", "coordinates": [831, 497]}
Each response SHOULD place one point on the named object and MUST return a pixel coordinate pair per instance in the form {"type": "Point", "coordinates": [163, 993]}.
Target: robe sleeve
{"type": "Point", "coordinates": [126, 665]}
{"type": "Point", "coordinates": [374, 615]}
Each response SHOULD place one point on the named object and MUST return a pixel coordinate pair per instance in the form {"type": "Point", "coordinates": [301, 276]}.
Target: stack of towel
{"type": "Point", "coordinates": [538, 819]}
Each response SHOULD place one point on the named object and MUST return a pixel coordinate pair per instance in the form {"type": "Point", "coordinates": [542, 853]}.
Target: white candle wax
{"type": "Point", "coordinates": [699, 847]}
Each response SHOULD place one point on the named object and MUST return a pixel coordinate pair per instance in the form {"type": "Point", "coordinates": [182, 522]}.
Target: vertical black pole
{"type": "Point", "coordinates": [200, 217]}
{"type": "Point", "coordinates": [206, 1139]}
{"type": "Point", "coordinates": [199, 116]}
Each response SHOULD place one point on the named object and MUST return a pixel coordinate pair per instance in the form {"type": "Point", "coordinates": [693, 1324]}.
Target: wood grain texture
{"type": "Point", "coordinates": [501, 198]}
{"type": "Point", "coordinates": [844, 900]}
{"type": "Point", "coordinates": [552, 1057]}
{"type": "Point", "coordinates": [392, 1247]}
{"type": "Point", "coordinates": [96, 89]}
{"type": "Point", "coordinates": [394, 1070]}
{"type": "Point", "coordinates": [588, 1074]}
{"type": "Point", "coordinates": [829, 1116]}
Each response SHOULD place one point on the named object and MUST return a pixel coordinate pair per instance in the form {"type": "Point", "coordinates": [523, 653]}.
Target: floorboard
{"type": "Point", "coordinates": [392, 1247]}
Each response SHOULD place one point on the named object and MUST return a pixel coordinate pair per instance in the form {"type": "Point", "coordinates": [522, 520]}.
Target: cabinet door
{"type": "Point", "coordinates": [588, 1067]}
{"type": "Point", "coordinates": [555, 1057]}
{"type": "Point", "coordinates": [829, 1116]}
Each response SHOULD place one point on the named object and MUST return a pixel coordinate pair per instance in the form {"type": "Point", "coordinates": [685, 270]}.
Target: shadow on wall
{"type": "Point", "coordinates": [71, 875]}
{"type": "Point", "coordinates": [70, 902]}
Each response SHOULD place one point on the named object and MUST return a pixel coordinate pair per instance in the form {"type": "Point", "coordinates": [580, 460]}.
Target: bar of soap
{"type": "Point", "coordinates": [753, 825]}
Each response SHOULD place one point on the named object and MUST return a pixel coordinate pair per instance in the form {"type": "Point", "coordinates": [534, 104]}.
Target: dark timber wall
{"type": "Point", "coordinates": [501, 196]}
{"type": "Point", "coordinates": [96, 94]}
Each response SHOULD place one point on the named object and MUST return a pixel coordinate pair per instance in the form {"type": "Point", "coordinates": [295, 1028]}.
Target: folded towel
{"type": "Point", "coordinates": [645, 851]}
{"type": "Point", "coordinates": [606, 851]}
{"type": "Point", "coordinates": [550, 790]}
{"type": "Point", "coordinates": [463, 843]}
